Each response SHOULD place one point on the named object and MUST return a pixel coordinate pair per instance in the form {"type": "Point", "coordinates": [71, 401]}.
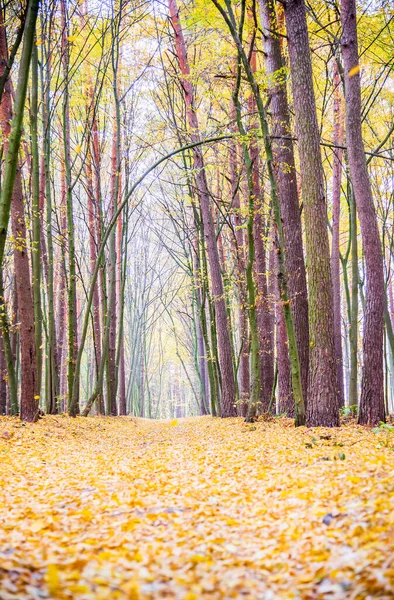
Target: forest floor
{"type": "Point", "coordinates": [194, 508]}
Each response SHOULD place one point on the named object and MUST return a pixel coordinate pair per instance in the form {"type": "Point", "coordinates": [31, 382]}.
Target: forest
{"type": "Point", "coordinates": [197, 299]}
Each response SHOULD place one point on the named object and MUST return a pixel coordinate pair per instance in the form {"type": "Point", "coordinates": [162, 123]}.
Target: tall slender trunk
{"type": "Point", "coordinates": [207, 363]}
{"type": "Point", "coordinates": [72, 284]}
{"type": "Point", "coordinates": [93, 222]}
{"type": "Point", "coordinates": [93, 258]}
{"type": "Point", "coordinates": [52, 370]}
{"type": "Point", "coordinates": [244, 369]}
{"type": "Point", "coordinates": [36, 250]}
{"type": "Point", "coordinates": [8, 353]}
{"type": "Point", "coordinates": [121, 280]}
{"type": "Point", "coordinates": [284, 168]}
{"type": "Point", "coordinates": [264, 313]}
{"type": "Point", "coordinates": [3, 384]}
{"type": "Point", "coordinates": [322, 401]}
{"type": "Point", "coordinates": [254, 406]}
{"type": "Point", "coordinates": [29, 397]}
{"type": "Point", "coordinates": [61, 290]}
{"type": "Point", "coordinates": [101, 285]}
{"type": "Point", "coordinates": [111, 371]}
{"type": "Point", "coordinates": [372, 409]}
{"type": "Point", "coordinates": [228, 408]}
{"type": "Point", "coordinates": [336, 214]}
{"type": "Point", "coordinates": [285, 392]}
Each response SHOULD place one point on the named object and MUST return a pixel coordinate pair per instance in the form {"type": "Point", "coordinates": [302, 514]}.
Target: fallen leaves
{"type": "Point", "coordinates": [194, 509]}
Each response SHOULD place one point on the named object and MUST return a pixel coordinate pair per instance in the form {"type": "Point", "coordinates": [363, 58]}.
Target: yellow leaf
{"type": "Point", "coordinates": [71, 38]}
{"type": "Point", "coordinates": [174, 423]}
{"type": "Point", "coordinates": [198, 558]}
{"type": "Point", "coordinates": [354, 71]}
{"type": "Point", "coordinates": [52, 578]}
{"type": "Point", "coordinates": [78, 149]}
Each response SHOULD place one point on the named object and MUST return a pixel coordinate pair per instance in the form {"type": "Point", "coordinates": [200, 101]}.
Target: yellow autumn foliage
{"type": "Point", "coordinates": [192, 509]}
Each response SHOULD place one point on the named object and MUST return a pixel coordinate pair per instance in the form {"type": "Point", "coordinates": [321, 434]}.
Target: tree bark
{"type": "Point", "coordinates": [371, 409]}
{"type": "Point", "coordinates": [28, 400]}
{"type": "Point", "coordinates": [265, 317]}
{"type": "Point", "coordinates": [336, 213]}
{"type": "Point", "coordinates": [285, 172]}
{"type": "Point", "coordinates": [72, 284]}
{"type": "Point", "coordinates": [322, 402]}
{"type": "Point", "coordinates": [239, 254]}
{"type": "Point", "coordinates": [285, 392]}
{"type": "Point", "coordinates": [3, 380]}
{"type": "Point", "coordinates": [36, 250]}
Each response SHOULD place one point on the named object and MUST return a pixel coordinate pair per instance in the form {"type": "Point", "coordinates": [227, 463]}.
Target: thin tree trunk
{"type": "Point", "coordinates": [111, 370]}
{"type": "Point", "coordinates": [8, 354]}
{"type": "Point", "coordinates": [101, 285]}
{"type": "Point", "coordinates": [36, 251]}
{"type": "Point", "coordinates": [265, 318]}
{"type": "Point", "coordinates": [61, 291]}
{"type": "Point", "coordinates": [285, 392]}
{"type": "Point", "coordinates": [372, 409]}
{"type": "Point", "coordinates": [322, 401]}
{"type": "Point", "coordinates": [93, 258]}
{"type": "Point", "coordinates": [72, 288]}
{"type": "Point", "coordinates": [255, 405]}
{"type": "Point", "coordinates": [3, 379]}
{"type": "Point", "coordinates": [52, 371]}
{"type": "Point", "coordinates": [336, 213]}
{"type": "Point", "coordinates": [244, 369]}
{"type": "Point", "coordinates": [121, 280]}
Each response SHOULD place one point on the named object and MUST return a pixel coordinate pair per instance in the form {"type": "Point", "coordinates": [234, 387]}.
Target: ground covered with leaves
{"type": "Point", "coordinates": [197, 508]}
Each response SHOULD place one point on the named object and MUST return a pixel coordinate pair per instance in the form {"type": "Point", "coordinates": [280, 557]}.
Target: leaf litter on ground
{"type": "Point", "coordinates": [196, 508]}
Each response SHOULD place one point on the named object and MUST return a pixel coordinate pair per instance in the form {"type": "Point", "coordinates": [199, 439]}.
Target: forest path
{"type": "Point", "coordinates": [194, 508]}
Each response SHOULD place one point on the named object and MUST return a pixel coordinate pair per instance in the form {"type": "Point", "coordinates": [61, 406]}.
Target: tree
{"type": "Point", "coordinates": [285, 171]}
{"type": "Point", "coordinates": [12, 191]}
{"type": "Point", "coordinates": [372, 409]}
{"type": "Point", "coordinates": [322, 402]}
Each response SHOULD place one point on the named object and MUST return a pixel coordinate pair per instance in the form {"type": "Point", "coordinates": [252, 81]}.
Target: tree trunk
{"type": "Point", "coordinates": [239, 252]}
{"type": "Point", "coordinates": [72, 284]}
{"type": "Point", "coordinates": [336, 213]}
{"type": "Point", "coordinates": [36, 250]}
{"type": "Point", "coordinates": [264, 313]}
{"type": "Point", "coordinates": [285, 392]}
{"type": "Point", "coordinates": [322, 401]}
{"type": "Point", "coordinates": [372, 409]}
{"type": "Point", "coordinates": [29, 400]}
{"type": "Point", "coordinates": [227, 402]}
{"type": "Point", "coordinates": [284, 168]}
{"type": "Point", "coordinates": [111, 372]}
{"type": "Point", "coordinates": [3, 380]}
{"type": "Point", "coordinates": [121, 276]}
{"type": "Point", "coordinates": [93, 258]}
